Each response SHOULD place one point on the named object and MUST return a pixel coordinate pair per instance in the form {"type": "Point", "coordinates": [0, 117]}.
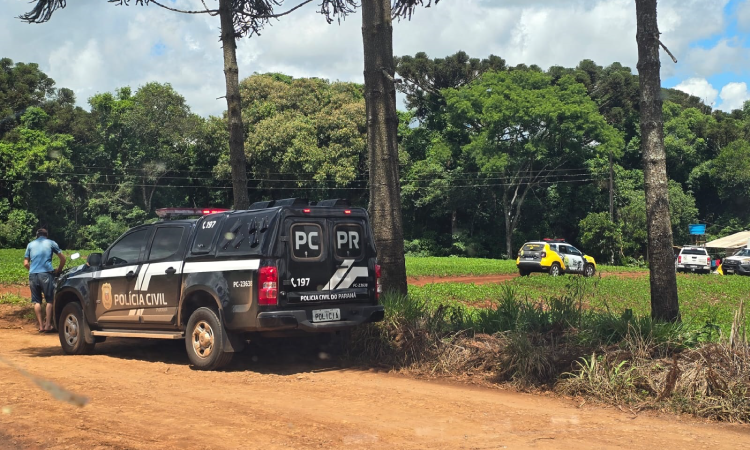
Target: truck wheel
{"type": "Point", "coordinates": [523, 273]}
{"type": "Point", "coordinates": [588, 270]}
{"type": "Point", "coordinates": [204, 340]}
{"type": "Point", "coordinates": [71, 329]}
{"type": "Point", "coordinates": [554, 269]}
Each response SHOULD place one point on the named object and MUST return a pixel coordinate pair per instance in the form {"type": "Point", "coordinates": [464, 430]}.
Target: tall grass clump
{"type": "Point", "coordinates": [670, 366]}
{"type": "Point", "coordinates": [571, 342]}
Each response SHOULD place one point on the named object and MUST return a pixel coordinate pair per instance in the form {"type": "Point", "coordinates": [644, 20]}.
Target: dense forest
{"type": "Point", "coordinates": [490, 155]}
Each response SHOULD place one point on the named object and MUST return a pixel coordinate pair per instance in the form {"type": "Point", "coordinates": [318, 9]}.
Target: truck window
{"type": "Point", "coordinates": [207, 229]}
{"type": "Point", "coordinates": [307, 241]}
{"type": "Point", "coordinates": [128, 249]}
{"type": "Point", "coordinates": [348, 241]}
{"type": "Point", "coordinates": [166, 242]}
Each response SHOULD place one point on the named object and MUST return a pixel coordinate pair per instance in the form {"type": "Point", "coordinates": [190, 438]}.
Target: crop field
{"type": "Point", "coordinates": [13, 272]}
{"type": "Point", "coordinates": [704, 299]}
{"type": "Point", "coordinates": [455, 267]}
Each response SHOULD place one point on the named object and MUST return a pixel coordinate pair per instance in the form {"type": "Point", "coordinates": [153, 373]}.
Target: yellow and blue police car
{"type": "Point", "coordinates": [555, 257]}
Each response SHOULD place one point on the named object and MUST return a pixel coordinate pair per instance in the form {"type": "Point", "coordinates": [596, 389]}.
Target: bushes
{"type": "Point", "coordinates": [103, 232]}
{"type": "Point", "coordinates": [17, 228]}
{"type": "Point", "coordinates": [566, 345]}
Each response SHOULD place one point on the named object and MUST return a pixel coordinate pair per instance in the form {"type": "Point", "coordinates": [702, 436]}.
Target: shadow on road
{"type": "Point", "coordinates": [286, 356]}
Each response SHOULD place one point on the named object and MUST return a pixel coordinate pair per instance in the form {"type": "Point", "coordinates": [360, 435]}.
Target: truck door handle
{"type": "Point", "coordinates": [130, 274]}
{"type": "Point", "coordinates": [170, 271]}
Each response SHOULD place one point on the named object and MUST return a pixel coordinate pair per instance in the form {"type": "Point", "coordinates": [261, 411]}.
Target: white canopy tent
{"type": "Point", "coordinates": [733, 241]}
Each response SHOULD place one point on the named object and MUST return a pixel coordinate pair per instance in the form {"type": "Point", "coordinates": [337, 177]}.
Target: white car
{"type": "Point", "coordinates": [739, 263]}
{"type": "Point", "coordinates": [694, 259]}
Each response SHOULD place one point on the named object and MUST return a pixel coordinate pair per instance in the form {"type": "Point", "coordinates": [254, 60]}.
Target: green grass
{"type": "Point", "coordinates": [453, 267]}
{"type": "Point", "coordinates": [12, 299]}
{"type": "Point", "coordinates": [703, 299]}
{"type": "Point", "coordinates": [12, 270]}
{"type": "Point", "coordinates": [444, 267]}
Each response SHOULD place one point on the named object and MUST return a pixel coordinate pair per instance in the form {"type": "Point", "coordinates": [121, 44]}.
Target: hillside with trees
{"type": "Point", "coordinates": [491, 155]}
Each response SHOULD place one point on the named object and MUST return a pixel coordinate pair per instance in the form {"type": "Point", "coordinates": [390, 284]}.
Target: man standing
{"type": "Point", "coordinates": [38, 261]}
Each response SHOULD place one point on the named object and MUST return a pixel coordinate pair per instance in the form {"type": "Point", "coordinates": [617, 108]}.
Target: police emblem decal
{"type": "Point", "coordinates": [107, 295]}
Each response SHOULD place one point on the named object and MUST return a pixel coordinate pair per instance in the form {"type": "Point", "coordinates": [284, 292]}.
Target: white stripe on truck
{"type": "Point", "coordinates": [353, 274]}
{"type": "Point", "coordinates": [154, 269]}
{"type": "Point", "coordinates": [338, 275]}
{"type": "Point", "coordinates": [221, 266]}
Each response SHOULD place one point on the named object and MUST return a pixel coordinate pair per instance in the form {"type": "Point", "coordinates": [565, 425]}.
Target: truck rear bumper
{"type": "Point", "coordinates": [351, 316]}
{"type": "Point", "coordinates": [693, 268]}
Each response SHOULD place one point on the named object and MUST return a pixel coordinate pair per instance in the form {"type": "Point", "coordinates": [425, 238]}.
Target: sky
{"type": "Point", "coordinates": [93, 46]}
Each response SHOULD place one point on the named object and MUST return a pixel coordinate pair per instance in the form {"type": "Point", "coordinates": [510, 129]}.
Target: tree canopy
{"type": "Point", "coordinates": [89, 173]}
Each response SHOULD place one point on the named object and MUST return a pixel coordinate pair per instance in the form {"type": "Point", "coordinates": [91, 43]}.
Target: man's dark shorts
{"type": "Point", "coordinates": [42, 283]}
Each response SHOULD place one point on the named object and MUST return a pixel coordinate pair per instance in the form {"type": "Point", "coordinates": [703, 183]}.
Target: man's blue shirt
{"type": "Point", "coordinates": [39, 253]}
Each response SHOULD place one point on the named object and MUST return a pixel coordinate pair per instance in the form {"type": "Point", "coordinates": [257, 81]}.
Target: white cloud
{"type": "Point", "coordinates": [699, 87]}
{"type": "Point", "coordinates": [733, 95]}
{"type": "Point", "coordinates": [728, 55]}
{"type": "Point", "coordinates": [743, 15]}
{"type": "Point", "coordinates": [96, 47]}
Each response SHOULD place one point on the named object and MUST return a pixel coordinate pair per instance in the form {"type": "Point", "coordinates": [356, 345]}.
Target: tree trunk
{"type": "Point", "coordinates": [382, 145]}
{"type": "Point", "coordinates": [237, 159]}
{"type": "Point", "coordinates": [508, 225]}
{"type": "Point", "coordinates": [664, 304]}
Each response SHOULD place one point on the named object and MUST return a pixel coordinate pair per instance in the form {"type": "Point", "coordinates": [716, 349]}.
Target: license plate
{"type": "Point", "coordinates": [730, 270]}
{"type": "Point", "coordinates": [326, 315]}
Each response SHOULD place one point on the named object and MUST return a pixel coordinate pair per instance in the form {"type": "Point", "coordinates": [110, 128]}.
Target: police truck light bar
{"type": "Point", "coordinates": [166, 213]}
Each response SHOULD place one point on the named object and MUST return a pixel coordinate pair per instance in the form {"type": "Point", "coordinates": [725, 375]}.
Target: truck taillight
{"type": "Point", "coordinates": [378, 286]}
{"type": "Point", "coordinates": [708, 260]}
{"type": "Point", "coordinates": [679, 259]}
{"type": "Point", "coordinates": [268, 282]}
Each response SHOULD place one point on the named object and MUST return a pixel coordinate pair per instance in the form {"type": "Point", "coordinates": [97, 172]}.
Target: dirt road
{"type": "Point", "coordinates": [143, 395]}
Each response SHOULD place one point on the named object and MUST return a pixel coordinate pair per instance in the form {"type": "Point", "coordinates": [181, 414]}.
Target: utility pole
{"type": "Point", "coordinates": [611, 202]}
{"type": "Point", "coordinates": [611, 190]}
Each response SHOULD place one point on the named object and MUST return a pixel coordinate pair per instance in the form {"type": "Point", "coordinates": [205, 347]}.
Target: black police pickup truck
{"type": "Point", "coordinates": [280, 268]}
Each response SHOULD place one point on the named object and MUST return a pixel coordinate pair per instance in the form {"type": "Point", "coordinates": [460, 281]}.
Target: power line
{"type": "Point", "coordinates": [534, 183]}
{"type": "Point", "coordinates": [539, 175]}
{"type": "Point", "coordinates": [136, 169]}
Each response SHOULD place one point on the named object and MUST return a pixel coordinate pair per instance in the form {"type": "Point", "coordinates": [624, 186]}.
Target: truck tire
{"type": "Point", "coordinates": [72, 329]}
{"type": "Point", "coordinates": [555, 269]}
{"type": "Point", "coordinates": [204, 341]}
{"type": "Point", "coordinates": [588, 270]}
{"type": "Point", "coordinates": [523, 273]}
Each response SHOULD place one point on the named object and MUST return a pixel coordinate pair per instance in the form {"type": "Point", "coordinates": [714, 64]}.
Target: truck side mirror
{"type": "Point", "coordinates": [94, 260]}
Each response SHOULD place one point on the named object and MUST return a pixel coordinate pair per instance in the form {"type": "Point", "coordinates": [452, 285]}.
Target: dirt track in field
{"type": "Point", "coordinates": [143, 395]}
{"type": "Point", "coordinates": [16, 289]}
{"type": "Point", "coordinates": [486, 279]}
